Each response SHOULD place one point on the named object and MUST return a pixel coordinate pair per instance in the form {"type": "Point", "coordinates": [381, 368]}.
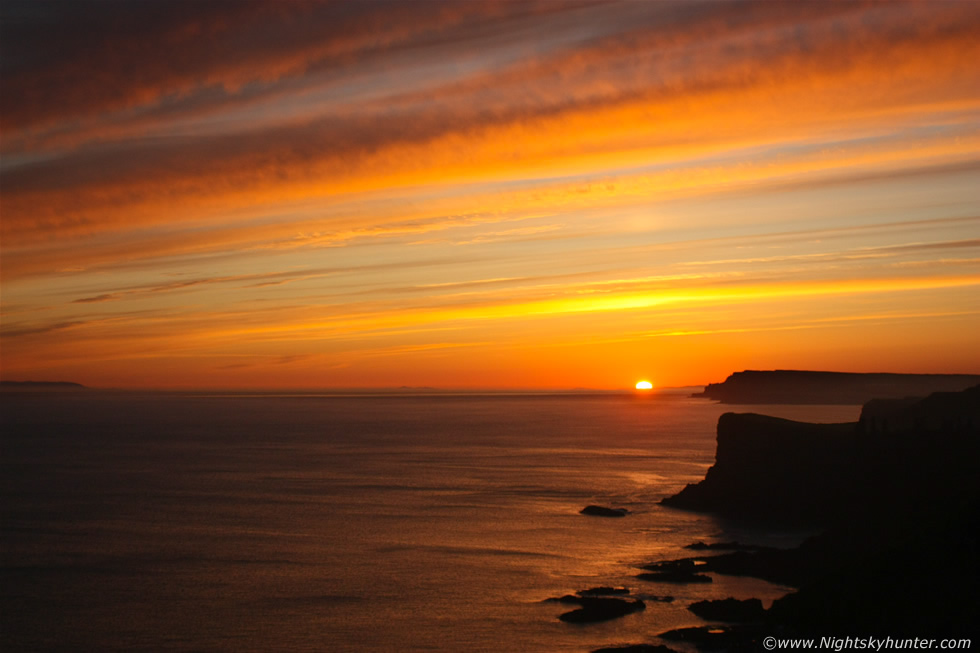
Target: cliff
{"type": "Point", "coordinates": [940, 412]}
{"type": "Point", "coordinates": [899, 494]}
{"type": "Point", "coordinates": [771, 467]}
{"type": "Point", "coordinates": [779, 469]}
{"type": "Point", "coordinates": [802, 387]}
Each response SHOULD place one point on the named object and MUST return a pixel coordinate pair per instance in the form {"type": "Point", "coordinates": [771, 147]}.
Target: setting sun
{"type": "Point", "coordinates": [593, 190]}
{"type": "Point", "coordinates": [644, 385]}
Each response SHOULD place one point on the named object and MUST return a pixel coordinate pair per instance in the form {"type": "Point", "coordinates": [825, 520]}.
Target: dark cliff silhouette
{"type": "Point", "coordinates": [899, 496]}
{"type": "Point", "coordinates": [802, 387]}
{"type": "Point", "coordinates": [775, 468]}
{"type": "Point", "coordinates": [784, 470]}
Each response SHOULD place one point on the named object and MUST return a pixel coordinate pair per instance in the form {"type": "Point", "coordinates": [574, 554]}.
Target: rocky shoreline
{"type": "Point", "coordinates": [897, 495]}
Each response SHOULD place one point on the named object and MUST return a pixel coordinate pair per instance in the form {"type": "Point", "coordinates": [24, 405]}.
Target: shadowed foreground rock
{"type": "Point", "coordinates": [725, 546]}
{"type": "Point", "coordinates": [603, 511]}
{"type": "Point", "coordinates": [604, 591]}
{"type": "Point", "coordinates": [675, 571]}
{"type": "Point", "coordinates": [602, 609]}
{"type": "Point", "coordinates": [576, 598]}
{"type": "Point", "coordinates": [673, 577]}
{"type": "Point", "coordinates": [729, 610]}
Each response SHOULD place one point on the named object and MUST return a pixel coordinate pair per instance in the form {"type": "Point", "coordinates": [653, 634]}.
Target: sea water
{"type": "Point", "coordinates": [374, 522]}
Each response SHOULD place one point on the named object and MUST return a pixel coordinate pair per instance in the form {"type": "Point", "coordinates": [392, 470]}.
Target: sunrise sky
{"type": "Point", "coordinates": [486, 194]}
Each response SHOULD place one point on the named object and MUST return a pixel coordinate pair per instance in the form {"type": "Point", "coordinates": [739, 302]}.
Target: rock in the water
{"type": "Point", "coordinates": [602, 609]}
{"type": "Point", "coordinates": [674, 571]}
{"type": "Point", "coordinates": [603, 591]}
{"type": "Point", "coordinates": [603, 511]}
{"type": "Point", "coordinates": [660, 599]}
{"type": "Point", "coordinates": [674, 577]}
{"type": "Point", "coordinates": [570, 599]}
{"type": "Point", "coordinates": [726, 546]}
{"type": "Point", "coordinates": [581, 595]}
{"type": "Point", "coordinates": [729, 609]}
{"type": "Point", "coordinates": [702, 546]}
{"type": "Point", "coordinates": [684, 564]}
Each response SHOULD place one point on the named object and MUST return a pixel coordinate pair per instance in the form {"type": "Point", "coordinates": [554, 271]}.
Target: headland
{"type": "Point", "coordinates": [806, 387]}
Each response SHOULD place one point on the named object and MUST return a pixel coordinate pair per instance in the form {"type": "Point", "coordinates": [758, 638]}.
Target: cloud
{"type": "Point", "coordinates": [42, 329]}
{"type": "Point", "coordinates": [262, 361]}
{"type": "Point", "coordinates": [105, 297]}
{"type": "Point", "coordinates": [594, 99]}
{"type": "Point", "coordinates": [266, 181]}
{"type": "Point", "coordinates": [83, 57]}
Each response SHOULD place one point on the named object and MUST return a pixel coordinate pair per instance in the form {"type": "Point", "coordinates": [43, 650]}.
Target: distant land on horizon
{"type": "Point", "coordinates": [403, 389]}
{"type": "Point", "coordinates": [41, 385]}
{"type": "Point", "coordinates": [745, 387]}
{"type": "Point", "coordinates": [810, 387]}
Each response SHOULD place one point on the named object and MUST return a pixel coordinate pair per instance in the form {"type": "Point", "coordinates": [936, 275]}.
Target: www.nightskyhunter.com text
{"type": "Point", "coordinates": [866, 643]}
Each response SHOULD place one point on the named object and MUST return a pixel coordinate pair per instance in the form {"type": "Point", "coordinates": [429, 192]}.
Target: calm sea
{"type": "Point", "coordinates": [348, 523]}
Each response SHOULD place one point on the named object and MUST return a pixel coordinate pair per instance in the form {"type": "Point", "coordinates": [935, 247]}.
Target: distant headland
{"type": "Point", "coordinates": [804, 387]}
{"type": "Point", "coordinates": [39, 386]}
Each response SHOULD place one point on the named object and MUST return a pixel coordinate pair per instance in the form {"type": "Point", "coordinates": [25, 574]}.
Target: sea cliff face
{"type": "Point", "coordinates": [794, 471]}
{"type": "Point", "coordinates": [771, 467]}
{"type": "Point", "coordinates": [899, 496]}
{"type": "Point", "coordinates": [803, 387]}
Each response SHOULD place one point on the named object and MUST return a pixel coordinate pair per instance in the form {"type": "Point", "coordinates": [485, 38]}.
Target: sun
{"type": "Point", "coordinates": [644, 385]}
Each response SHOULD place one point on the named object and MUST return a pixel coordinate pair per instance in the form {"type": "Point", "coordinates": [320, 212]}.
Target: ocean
{"type": "Point", "coordinates": [350, 522]}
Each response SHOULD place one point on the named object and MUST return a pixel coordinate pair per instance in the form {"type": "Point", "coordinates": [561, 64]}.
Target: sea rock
{"type": "Point", "coordinates": [675, 571]}
{"type": "Point", "coordinates": [569, 599]}
{"type": "Point", "coordinates": [580, 595]}
{"type": "Point", "coordinates": [684, 565]}
{"type": "Point", "coordinates": [659, 599]}
{"type": "Point", "coordinates": [602, 609]}
{"type": "Point", "coordinates": [729, 609]}
{"type": "Point", "coordinates": [725, 546]}
{"type": "Point", "coordinates": [603, 591]}
{"type": "Point", "coordinates": [603, 511]}
{"type": "Point", "coordinates": [674, 577]}
{"type": "Point", "coordinates": [701, 546]}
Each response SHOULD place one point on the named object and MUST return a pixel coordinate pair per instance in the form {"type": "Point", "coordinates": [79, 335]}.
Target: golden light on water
{"type": "Point", "coordinates": [644, 385]}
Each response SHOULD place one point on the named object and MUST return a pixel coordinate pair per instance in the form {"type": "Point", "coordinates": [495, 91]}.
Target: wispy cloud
{"type": "Point", "coordinates": [295, 188]}
{"type": "Point", "coordinates": [39, 330]}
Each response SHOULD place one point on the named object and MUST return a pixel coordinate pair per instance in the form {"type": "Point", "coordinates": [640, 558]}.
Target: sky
{"type": "Point", "coordinates": [233, 194]}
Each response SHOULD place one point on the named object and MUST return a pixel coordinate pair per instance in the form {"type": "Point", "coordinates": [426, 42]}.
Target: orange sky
{"type": "Point", "coordinates": [486, 195]}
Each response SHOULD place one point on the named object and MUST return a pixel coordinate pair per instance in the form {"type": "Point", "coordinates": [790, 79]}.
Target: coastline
{"type": "Point", "coordinates": [897, 498]}
{"type": "Point", "coordinates": [803, 387]}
